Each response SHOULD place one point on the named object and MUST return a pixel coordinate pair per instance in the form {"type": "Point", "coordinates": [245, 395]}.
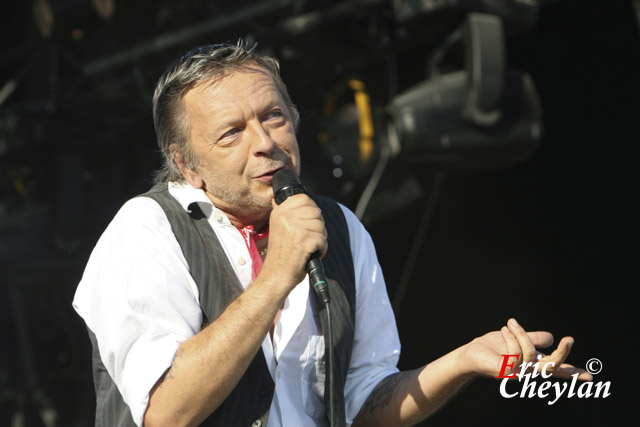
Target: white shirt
{"type": "Point", "coordinates": [139, 299]}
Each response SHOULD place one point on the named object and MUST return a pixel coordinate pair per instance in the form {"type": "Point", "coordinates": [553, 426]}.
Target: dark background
{"type": "Point", "coordinates": [549, 240]}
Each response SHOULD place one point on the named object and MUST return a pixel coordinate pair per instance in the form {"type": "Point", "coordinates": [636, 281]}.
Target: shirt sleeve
{"type": "Point", "coordinates": [137, 296]}
{"type": "Point", "coordinates": [376, 347]}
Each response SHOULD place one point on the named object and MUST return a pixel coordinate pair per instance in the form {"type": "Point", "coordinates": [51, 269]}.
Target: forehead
{"type": "Point", "coordinates": [247, 85]}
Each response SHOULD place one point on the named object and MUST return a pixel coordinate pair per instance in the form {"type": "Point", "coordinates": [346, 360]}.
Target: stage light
{"type": "Point", "coordinates": [483, 116]}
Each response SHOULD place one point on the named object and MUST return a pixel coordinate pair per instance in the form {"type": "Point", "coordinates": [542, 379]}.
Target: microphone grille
{"type": "Point", "coordinates": [286, 183]}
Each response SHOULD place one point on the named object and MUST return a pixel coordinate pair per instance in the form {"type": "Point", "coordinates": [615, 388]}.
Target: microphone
{"type": "Point", "coordinates": [286, 183]}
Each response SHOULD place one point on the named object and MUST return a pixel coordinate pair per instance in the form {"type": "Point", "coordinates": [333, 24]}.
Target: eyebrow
{"type": "Point", "coordinates": [270, 105]}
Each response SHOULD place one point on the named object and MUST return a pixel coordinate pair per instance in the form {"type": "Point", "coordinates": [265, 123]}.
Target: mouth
{"type": "Point", "coordinates": [268, 176]}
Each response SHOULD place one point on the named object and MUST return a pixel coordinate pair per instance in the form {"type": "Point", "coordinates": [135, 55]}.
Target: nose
{"type": "Point", "coordinates": [263, 144]}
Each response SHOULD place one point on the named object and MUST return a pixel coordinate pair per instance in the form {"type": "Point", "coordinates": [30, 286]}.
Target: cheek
{"type": "Point", "coordinates": [289, 142]}
{"type": "Point", "coordinates": [230, 161]}
{"type": "Point", "coordinates": [295, 156]}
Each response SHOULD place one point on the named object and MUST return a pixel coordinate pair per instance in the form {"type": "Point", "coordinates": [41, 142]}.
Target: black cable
{"type": "Point", "coordinates": [328, 345]}
{"type": "Point", "coordinates": [335, 417]}
{"type": "Point", "coordinates": [286, 183]}
{"type": "Point", "coordinates": [418, 238]}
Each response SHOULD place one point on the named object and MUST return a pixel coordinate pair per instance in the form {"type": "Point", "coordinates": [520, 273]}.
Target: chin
{"type": "Point", "coordinates": [260, 202]}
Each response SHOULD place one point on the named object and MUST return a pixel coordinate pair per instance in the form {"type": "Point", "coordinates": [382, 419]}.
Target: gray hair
{"type": "Point", "coordinates": [202, 64]}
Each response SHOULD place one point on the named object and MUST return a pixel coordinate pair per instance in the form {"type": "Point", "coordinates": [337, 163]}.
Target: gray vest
{"type": "Point", "coordinates": [249, 402]}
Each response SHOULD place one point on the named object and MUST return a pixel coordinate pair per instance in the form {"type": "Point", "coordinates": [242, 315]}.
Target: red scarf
{"type": "Point", "coordinates": [250, 238]}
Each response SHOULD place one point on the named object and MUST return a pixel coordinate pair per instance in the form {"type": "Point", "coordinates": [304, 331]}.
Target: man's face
{"type": "Point", "coordinates": [242, 133]}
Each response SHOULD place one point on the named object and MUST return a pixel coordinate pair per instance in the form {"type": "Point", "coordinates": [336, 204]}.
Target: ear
{"type": "Point", "coordinates": [188, 172]}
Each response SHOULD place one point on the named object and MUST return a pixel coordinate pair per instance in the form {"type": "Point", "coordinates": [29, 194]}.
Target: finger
{"type": "Point", "coordinates": [309, 212]}
{"type": "Point", "coordinates": [314, 225]}
{"type": "Point", "coordinates": [291, 202]}
{"type": "Point", "coordinates": [560, 354]}
{"type": "Point", "coordinates": [324, 249]}
{"type": "Point", "coordinates": [306, 217]}
{"type": "Point", "coordinates": [541, 339]}
{"type": "Point", "coordinates": [528, 349]}
{"type": "Point", "coordinates": [566, 371]}
{"type": "Point", "coordinates": [512, 344]}
{"type": "Point", "coordinates": [299, 200]}
{"type": "Point", "coordinates": [512, 348]}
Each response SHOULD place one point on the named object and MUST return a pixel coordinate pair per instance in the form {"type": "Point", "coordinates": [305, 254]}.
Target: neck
{"type": "Point", "coordinates": [243, 214]}
{"type": "Point", "coordinates": [259, 222]}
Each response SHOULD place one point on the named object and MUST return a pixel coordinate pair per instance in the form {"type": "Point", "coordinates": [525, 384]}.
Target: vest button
{"type": "Point", "coordinates": [257, 423]}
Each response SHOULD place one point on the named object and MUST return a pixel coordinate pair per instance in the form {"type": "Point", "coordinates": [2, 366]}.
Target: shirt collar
{"type": "Point", "coordinates": [186, 195]}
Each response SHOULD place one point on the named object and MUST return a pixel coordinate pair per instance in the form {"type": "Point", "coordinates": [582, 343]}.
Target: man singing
{"type": "Point", "coordinates": [196, 296]}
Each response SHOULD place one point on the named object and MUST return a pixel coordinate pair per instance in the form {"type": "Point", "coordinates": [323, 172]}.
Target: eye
{"type": "Point", "coordinates": [231, 132]}
{"type": "Point", "coordinates": [275, 114]}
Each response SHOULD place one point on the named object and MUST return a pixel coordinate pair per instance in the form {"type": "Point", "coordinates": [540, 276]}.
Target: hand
{"type": "Point", "coordinates": [296, 231]}
{"type": "Point", "coordinates": [485, 354]}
